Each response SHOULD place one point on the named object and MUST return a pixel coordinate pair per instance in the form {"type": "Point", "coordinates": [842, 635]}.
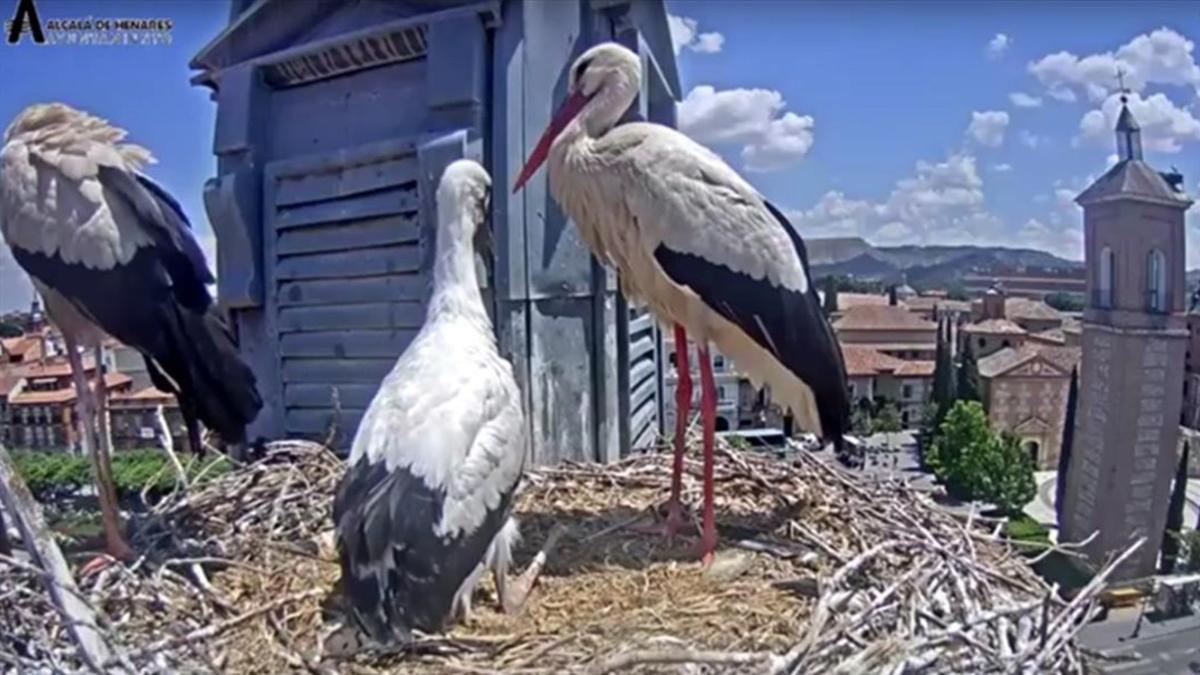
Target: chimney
{"type": "Point", "coordinates": [993, 303]}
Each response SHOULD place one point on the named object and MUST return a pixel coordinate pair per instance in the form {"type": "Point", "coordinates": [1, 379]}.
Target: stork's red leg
{"type": "Point", "coordinates": [683, 405]}
{"type": "Point", "coordinates": [675, 520]}
{"type": "Point", "coordinates": [708, 410]}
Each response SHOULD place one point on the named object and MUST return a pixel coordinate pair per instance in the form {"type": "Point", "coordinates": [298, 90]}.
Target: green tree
{"type": "Point", "coordinates": [830, 304]}
{"type": "Point", "coordinates": [1174, 528]}
{"type": "Point", "coordinates": [860, 419]}
{"type": "Point", "coordinates": [1064, 452]}
{"type": "Point", "coordinates": [9, 329]}
{"type": "Point", "coordinates": [964, 430]}
{"type": "Point", "coordinates": [957, 291]}
{"type": "Point", "coordinates": [887, 418]}
{"type": "Point", "coordinates": [925, 436]}
{"type": "Point", "coordinates": [977, 464]}
{"type": "Point", "coordinates": [968, 388]}
{"type": "Point", "coordinates": [1065, 302]}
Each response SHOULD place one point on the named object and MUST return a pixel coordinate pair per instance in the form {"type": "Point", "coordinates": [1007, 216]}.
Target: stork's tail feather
{"type": "Point", "coordinates": [202, 362]}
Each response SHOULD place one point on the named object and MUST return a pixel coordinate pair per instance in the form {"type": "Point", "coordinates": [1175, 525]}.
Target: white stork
{"type": "Point", "coordinates": [112, 253]}
{"type": "Point", "coordinates": [699, 245]}
{"type": "Point", "coordinates": [428, 492]}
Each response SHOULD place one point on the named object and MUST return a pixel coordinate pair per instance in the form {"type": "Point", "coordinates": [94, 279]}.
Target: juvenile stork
{"type": "Point", "coordinates": [112, 253]}
{"type": "Point", "coordinates": [426, 499]}
{"type": "Point", "coordinates": [699, 245]}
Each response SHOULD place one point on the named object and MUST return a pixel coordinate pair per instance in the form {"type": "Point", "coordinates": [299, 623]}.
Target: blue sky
{"type": "Point", "coordinates": [855, 117]}
{"type": "Point", "coordinates": [936, 122]}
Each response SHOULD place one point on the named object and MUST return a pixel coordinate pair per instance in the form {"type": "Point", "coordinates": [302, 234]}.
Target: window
{"type": "Point", "coordinates": [1106, 284]}
{"type": "Point", "coordinates": [853, 391]}
{"type": "Point", "coordinates": [1156, 281]}
{"type": "Point", "coordinates": [907, 389]}
{"type": "Point", "coordinates": [718, 362]}
{"type": "Point", "coordinates": [982, 343]}
{"type": "Point", "coordinates": [1006, 343]}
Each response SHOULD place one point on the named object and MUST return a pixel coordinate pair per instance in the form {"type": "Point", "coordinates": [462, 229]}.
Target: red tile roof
{"type": "Point", "coordinates": [864, 361]}
{"type": "Point", "coordinates": [916, 369]}
{"type": "Point", "coordinates": [994, 327]}
{"type": "Point", "coordinates": [881, 317]}
{"type": "Point", "coordinates": [65, 394]}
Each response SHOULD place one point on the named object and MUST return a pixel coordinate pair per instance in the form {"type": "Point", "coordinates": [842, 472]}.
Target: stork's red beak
{"type": "Point", "coordinates": [570, 108]}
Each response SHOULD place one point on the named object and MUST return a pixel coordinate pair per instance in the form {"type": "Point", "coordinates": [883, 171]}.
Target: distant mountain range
{"type": "Point", "coordinates": [921, 265]}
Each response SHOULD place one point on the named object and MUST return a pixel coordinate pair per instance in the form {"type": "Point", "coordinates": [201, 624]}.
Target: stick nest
{"type": "Point", "coordinates": [816, 572]}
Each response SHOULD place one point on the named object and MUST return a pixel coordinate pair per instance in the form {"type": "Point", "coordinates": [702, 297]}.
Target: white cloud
{"type": "Point", "coordinates": [1165, 126]}
{"type": "Point", "coordinates": [1111, 160]}
{"type": "Point", "coordinates": [998, 45]}
{"type": "Point", "coordinates": [1029, 139]}
{"type": "Point", "coordinates": [1023, 100]}
{"type": "Point", "coordinates": [771, 139]}
{"type": "Point", "coordinates": [988, 127]}
{"type": "Point", "coordinates": [1162, 56]}
{"type": "Point", "coordinates": [1002, 168]}
{"type": "Point", "coordinates": [685, 33]}
{"type": "Point", "coordinates": [942, 202]}
{"type": "Point", "coordinates": [1065, 241]}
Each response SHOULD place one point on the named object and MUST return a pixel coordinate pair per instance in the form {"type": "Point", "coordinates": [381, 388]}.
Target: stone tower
{"type": "Point", "coordinates": [1134, 340]}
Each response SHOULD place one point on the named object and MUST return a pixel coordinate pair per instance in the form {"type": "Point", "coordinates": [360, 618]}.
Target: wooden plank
{"type": "Point", "coordinates": [347, 236]}
{"type": "Point", "coordinates": [348, 181]}
{"type": "Point", "coordinates": [643, 321]}
{"type": "Point", "coordinates": [336, 371]}
{"type": "Point", "coordinates": [394, 201]}
{"type": "Point", "coordinates": [642, 372]}
{"type": "Point", "coordinates": [306, 421]}
{"type": "Point", "coordinates": [643, 348]}
{"type": "Point", "coordinates": [641, 424]}
{"type": "Point", "coordinates": [346, 344]}
{"type": "Point", "coordinates": [337, 291]}
{"type": "Point", "coordinates": [365, 263]}
{"type": "Point", "coordinates": [363, 315]}
{"type": "Point", "coordinates": [321, 395]}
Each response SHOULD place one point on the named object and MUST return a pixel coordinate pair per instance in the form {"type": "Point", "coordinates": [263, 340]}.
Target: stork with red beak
{"type": "Point", "coordinates": [701, 247]}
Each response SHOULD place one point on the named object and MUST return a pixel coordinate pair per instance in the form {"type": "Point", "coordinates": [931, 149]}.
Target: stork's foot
{"type": "Point", "coordinates": [674, 521]}
{"type": "Point", "coordinates": [706, 548]}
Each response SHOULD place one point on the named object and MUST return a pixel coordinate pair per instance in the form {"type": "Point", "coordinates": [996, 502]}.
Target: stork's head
{"type": "Point", "coordinates": [463, 197]}
{"type": "Point", "coordinates": [602, 84]}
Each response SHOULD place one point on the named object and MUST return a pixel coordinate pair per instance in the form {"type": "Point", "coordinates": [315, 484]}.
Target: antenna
{"type": "Point", "coordinates": [1121, 81]}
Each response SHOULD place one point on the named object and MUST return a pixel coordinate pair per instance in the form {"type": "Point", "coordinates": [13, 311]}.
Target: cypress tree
{"type": "Point", "coordinates": [1064, 452]}
{"type": "Point", "coordinates": [1174, 528]}
{"type": "Point", "coordinates": [968, 388]}
{"type": "Point", "coordinates": [830, 305]}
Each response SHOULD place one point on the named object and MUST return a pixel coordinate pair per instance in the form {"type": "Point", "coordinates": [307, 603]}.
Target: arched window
{"type": "Point", "coordinates": [1107, 281]}
{"type": "Point", "coordinates": [1033, 449]}
{"type": "Point", "coordinates": [1156, 281]}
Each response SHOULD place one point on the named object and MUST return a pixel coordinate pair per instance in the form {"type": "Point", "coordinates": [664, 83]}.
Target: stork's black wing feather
{"type": "Point", "coordinates": [787, 323]}
{"type": "Point", "coordinates": [164, 220]}
{"type": "Point", "coordinates": [398, 574]}
{"type": "Point", "coordinates": [136, 302]}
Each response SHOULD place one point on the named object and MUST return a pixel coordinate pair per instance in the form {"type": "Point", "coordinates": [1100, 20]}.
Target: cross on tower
{"type": "Point", "coordinates": [1123, 89]}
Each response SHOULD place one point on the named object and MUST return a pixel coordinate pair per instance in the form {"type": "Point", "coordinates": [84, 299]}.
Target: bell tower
{"type": "Point", "coordinates": [1134, 341]}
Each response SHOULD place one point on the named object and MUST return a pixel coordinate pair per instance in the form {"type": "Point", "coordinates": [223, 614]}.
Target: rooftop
{"type": "Point", "coordinates": [1062, 358]}
{"type": "Point", "coordinates": [881, 317]}
{"type": "Point", "coordinates": [866, 361]}
{"type": "Point", "coordinates": [1133, 178]}
{"type": "Point", "coordinates": [994, 327]}
{"type": "Point", "coordinates": [65, 394]}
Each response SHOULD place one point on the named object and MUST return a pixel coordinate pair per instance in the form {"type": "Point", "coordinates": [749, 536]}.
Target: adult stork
{"type": "Point", "coordinates": [112, 253]}
{"type": "Point", "coordinates": [693, 240]}
{"type": "Point", "coordinates": [427, 496]}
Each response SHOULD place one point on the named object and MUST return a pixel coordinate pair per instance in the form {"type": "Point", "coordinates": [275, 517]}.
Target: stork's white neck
{"type": "Point", "coordinates": [455, 284]}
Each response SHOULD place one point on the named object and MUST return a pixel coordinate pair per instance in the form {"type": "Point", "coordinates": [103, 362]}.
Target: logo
{"type": "Point", "coordinates": [25, 20]}
{"type": "Point", "coordinates": [84, 31]}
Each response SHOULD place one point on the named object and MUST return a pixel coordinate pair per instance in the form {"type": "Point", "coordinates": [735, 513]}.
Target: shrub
{"type": "Point", "coordinates": [51, 475]}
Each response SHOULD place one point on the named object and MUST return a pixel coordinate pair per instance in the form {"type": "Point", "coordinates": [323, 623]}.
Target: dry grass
{"type": "Point", "coordinates": [815, 570]}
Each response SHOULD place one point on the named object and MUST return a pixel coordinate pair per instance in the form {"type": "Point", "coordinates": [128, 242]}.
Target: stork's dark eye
{"type": "Point", "coordinates": [579, 68]}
